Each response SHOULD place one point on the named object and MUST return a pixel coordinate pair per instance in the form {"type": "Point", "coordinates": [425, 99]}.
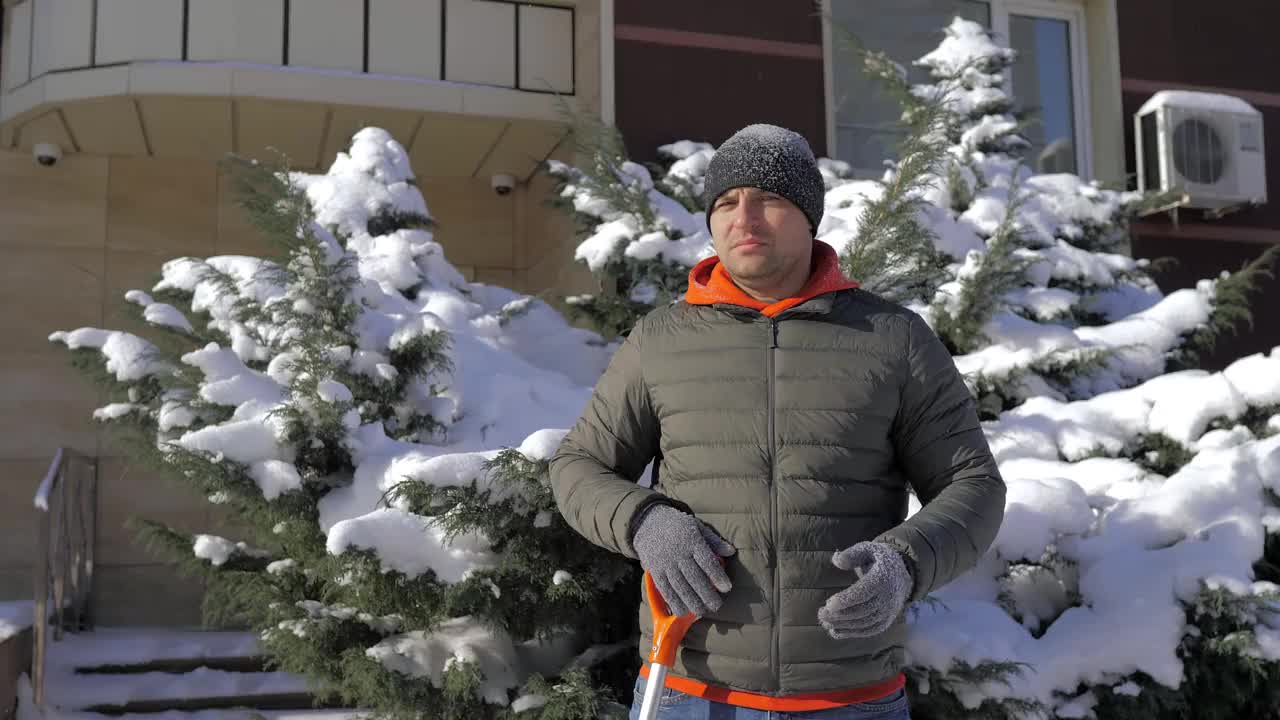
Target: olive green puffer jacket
{"type": "Point", "coordinates": [793, 437]}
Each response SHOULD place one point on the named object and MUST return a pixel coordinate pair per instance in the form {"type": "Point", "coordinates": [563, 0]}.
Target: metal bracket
{"type": "Point", "coordinates": [1237, 207]}
{"type": "Point", "coordinates": [1169, 207]}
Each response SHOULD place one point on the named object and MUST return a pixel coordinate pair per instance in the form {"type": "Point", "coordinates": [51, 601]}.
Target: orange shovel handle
{"type": "Point", "coordinates": [668, 629]}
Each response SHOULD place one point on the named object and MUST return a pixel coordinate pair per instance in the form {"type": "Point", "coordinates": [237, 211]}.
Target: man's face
{"type": "Point", "coordinates": [761, 238]}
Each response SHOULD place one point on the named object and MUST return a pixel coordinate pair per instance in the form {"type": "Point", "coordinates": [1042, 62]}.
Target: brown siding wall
{"type": "Point", "coordinates": [1223, 47]}
{"type": "Point", "coordinates": [682, 81]}
{"type": "Point", "coordinates": [785, 20]}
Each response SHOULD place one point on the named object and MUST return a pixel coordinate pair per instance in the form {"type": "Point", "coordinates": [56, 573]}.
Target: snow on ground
{"type": "Point", "coordinates": [28, 711]}
{"type": "Point", "coordinates": [124, 645]}
{"type": "Point", "coordinates": [15, 616]}
{"type": "Point", "coordinates": [68, 691]}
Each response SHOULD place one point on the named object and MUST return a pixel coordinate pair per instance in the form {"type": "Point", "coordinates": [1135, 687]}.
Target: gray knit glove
{"type": "Point", "coordinates": [680, 553]}
{"type": "Point", "coordinates": [871, 604]}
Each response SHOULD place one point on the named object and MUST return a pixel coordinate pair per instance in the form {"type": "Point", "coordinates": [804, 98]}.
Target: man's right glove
{"type": "Point", "coordinates": [680, 553]}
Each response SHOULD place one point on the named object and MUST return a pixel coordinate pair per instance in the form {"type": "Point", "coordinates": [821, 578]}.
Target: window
{"type": "Point", "coordinates": [1048, 79]}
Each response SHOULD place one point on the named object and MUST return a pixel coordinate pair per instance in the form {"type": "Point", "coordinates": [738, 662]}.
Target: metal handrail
{"type": "Point", "coordinates": [67, 503]}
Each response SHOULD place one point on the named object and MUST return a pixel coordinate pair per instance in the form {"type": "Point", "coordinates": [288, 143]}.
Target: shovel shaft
{"type": "Point", "coordinates": [653, 691]}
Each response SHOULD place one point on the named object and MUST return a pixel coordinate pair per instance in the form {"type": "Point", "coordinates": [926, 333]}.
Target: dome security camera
{"type": "Point", "coordinates": [502, 184]}
{"type": "Point", "coordinates": [47, 154]}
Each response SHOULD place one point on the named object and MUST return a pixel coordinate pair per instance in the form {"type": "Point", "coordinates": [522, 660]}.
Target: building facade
{"type": "Point", "coordinates": [142, 96]}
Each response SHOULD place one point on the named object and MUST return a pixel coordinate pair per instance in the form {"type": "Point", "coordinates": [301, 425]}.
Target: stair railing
{"type": "Point", "coordinates": [67, 505]}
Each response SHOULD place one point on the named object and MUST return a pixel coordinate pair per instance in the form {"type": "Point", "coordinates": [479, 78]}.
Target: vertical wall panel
{"type": "Point", "coordinates": [138, 30]}
{"type": "Point", "coordinates": [17, 50]}
{"type": "Point", "coordinates": [40, 36]}
{"type": "Point", "coordinates": [244, 30]}
{"type": "Point", "coordinates": [70, 35]}
{"type": "Point", "coordinates": [546, 48]}
{"type": "Point", "coordinates": [327, 34]}
{"type": "Point", "coordinates": [480, 42]}
{"type": "Point", "coordinates": [404, 37]}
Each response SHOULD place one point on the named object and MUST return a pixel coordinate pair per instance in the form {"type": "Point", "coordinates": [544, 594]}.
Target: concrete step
{"type": "Point", "coordinates": [158, 672]}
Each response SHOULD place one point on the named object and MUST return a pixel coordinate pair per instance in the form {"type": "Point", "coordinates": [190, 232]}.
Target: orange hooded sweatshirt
{"type": "Point", "coordinates": [710, 283]}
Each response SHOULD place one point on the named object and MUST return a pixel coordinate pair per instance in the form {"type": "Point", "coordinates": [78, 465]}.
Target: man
{"type": "Point", "coordinates": [787, 410]}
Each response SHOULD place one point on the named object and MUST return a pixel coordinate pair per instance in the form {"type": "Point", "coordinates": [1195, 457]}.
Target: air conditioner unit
{"type": "Point", "coordinates": [1205, 145]}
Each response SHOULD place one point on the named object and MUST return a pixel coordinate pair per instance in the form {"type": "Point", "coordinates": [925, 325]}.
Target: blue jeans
{"type": "Point", "coordinates": [675, 705]}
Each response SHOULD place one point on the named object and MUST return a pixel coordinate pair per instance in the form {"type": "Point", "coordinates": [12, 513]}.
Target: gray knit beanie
{"type": "Point", "coordinates": [771, 158]}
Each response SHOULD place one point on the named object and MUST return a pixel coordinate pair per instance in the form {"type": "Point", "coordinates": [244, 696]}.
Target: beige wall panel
{"type": "Point", "coordinates": [453, 145]}
{"type": "Point", "coordinates": [294, 129]}
{"type": "Point", "coordinates": [502, 277]}
{"type": "Point", "coordinates": [546, 48]}
{"type": "Point", "coordinates": [48, 289]}
{"type": "Point", "coordinates": [187, 126]}
{"type": "Point", "coordinates": [106, 127]}
{"type": "Point", "coordinates": [145, 595]}
{"type": "Point", "coordinates": [522, 147]}
{"type": "Point", "coordinates": [17, 45]}
{"type": "Point", "coordinates": [480, 42]}
{"type": "Point", "coordinates": [19, 480]}
{"type": "Point", "coordinates": [504, 102]}
{"type": "Point", "coordinates": [44, 129]}
{"type": "Point", "coordinates": [44, 404]}
{"type": "Point", "coordinates": [235, 235]}
{"type": "Point", "coordinates": [40, 26]}
{"type": "Point", "coordinates": [542, 230]}
{"type": "Point", "coordinates": [326, 34]}
{"type": "Point", "coordinates": [405, 37]}
{"type": "Point", "coordinates": [63, 35]}
{"type": "Point", "coordinates": [82, 84]}
{"type": "Point", "coordinates": [475, 224]}
{"type": "Point", "coordinates": [127, 489]}
{"type": "Point", "coordinates": [132, 270]}
{"type": "Point", "coordinates": [243, 30]}
{"type": "Point", "coordinates": [16, 582]}
{"type": "Point", "coordinates": [179, 79]}
{"type": "Point", "coordinates": [138, 30]}
{"type": "Point", "coordinates": [64, 206]}
{"type": "Point", "coordinates": [346, 121]}
{"type": "Point", "coordinates": [162, 205]}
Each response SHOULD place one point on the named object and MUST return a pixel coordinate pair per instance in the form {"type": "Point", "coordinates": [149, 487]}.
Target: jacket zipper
{"type": "Point", "coordinates": [773, 506]}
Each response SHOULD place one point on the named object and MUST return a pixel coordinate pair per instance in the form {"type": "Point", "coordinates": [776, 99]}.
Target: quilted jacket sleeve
{"type": "Point", "coordinates": [941, 447]}
{"type": "Point", "coordinates": [594, 471]}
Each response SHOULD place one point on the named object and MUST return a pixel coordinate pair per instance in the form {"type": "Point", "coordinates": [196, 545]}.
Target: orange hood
{"type": "Point", "coordinates": [710, 283]}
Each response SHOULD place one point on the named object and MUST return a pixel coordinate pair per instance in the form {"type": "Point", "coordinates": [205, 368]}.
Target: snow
{"type": "Point", "coordinates": [218, 550]}
{"type": "Point", "coordinates": [275, 477]}
{"type": "Point", "coordinates": [128, 356]}
{"type": "Point", "coordinates": [80, 691]}
{"type": "Point", "coordinates": [15, 616]}
{"type": "Point", "coordinates": [159, 313]}
{"type": "Point", "coordinates": [41, 499]}
{"type": "Point", "coordinates": [412, 544]}
{"type": "Point", "coordinates": [115, 411]}
{"type": "Point", "coordinates": [421, 654]}
{"type": "Point", "coordinates": [125, 645]}
{"type": "Point", "coordinates": [1192, 100]}
{"type": "Point", "coordinates": [1142, 543]}
{"type": "Point", "coordinates": [965, 42]}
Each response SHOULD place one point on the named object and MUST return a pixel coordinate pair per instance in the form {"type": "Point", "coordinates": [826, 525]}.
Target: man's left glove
{"type": "Point", "coordinates": [871, 604]}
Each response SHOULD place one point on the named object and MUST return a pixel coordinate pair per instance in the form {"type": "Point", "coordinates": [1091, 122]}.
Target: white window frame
{"type": "Point", "coordinates": [1072, 11]}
